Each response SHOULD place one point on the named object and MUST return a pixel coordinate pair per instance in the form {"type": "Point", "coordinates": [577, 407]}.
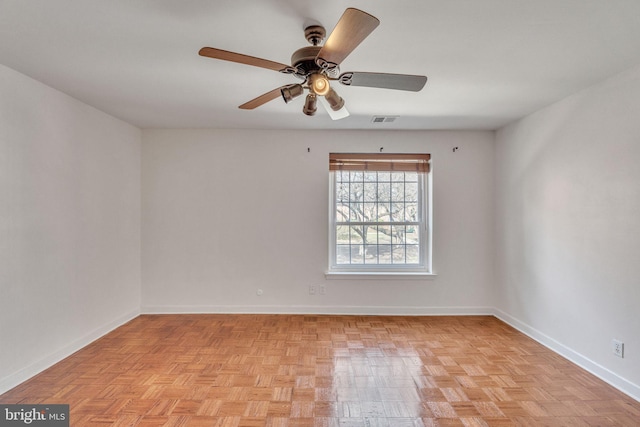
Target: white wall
{"type": "Point", "coordinates": [564, 226]}
{"type": "Point", "coordinates": [69, 225]}
{"type": "Point", "coordinates": [568, 227]}
{"type": "Point", "coordinates": [228, 212]}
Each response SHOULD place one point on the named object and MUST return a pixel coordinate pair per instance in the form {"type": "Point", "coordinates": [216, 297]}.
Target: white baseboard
{"type": "Point", "coordinates": [313, 309]}
{"type": "Point", "coordinates": [622, 384]}
{"type": "Point", "coordinates": [9, 382]}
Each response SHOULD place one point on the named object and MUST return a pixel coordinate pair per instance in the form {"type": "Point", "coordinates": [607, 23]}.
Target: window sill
{"type": "Point", "coordinates": [399, 275]}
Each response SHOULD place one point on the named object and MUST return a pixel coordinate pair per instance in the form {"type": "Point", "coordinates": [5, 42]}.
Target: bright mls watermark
{"type": "Point", "coordinates": [34, 415]}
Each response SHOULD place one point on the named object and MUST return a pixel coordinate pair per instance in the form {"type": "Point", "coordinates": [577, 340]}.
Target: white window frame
{"type": "Point", "coordinates": [420, 270]}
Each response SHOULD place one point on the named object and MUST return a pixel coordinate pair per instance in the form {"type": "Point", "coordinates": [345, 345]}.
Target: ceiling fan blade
{"type": "Point", "coordinates": [262, 99]}
{"type": "Point", "coordinates": [384, 80]}
{"type": "Point", "coordinates": [353, 27]}
{"type": "Point", "coordinates": [225, 55]}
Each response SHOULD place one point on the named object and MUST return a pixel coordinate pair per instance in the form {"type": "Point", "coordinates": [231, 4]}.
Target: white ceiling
{"type": "Point", "coordinates": [488, 61]}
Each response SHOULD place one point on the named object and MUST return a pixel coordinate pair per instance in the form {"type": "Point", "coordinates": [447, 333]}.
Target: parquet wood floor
{"type": "Point", "coordinates": [325, 371]}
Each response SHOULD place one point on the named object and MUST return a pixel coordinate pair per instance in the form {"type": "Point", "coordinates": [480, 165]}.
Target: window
{"type": "Point", "coordinates": [379, 213]}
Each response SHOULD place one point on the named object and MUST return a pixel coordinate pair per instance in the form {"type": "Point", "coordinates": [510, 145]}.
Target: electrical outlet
{"type": "Point", "coordinates": [618, 348]}
{"type": "Point", "coordinates": [322, 289]}
{"type": "Point", "coordinates": [312, 289]}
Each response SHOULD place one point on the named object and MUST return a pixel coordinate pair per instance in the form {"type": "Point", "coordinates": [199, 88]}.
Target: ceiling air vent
{"type": "Point", "coordinates": [384, 119]}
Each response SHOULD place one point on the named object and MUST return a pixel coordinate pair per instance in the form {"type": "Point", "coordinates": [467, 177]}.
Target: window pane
{"type": "Point", "coordinates": [412, 236]}
{"type": "Point", "coordinates": [372, 234]}
{"type": "Point", "coordinates": [384, 191]}
{"type": "Point", "coordinates": [370, 176]}
{"type": "Point", "coordinates": [397, 234]}
{"type": "Point", "coordinates": [397, 191]}
{"type": "Point", "coordinates": [411, 191]}
{"type": "Point", "coordinates": [371, 256]}
{"type": "Point", "coordinates": [370, 213]}
{"type": "Point", "coordinates": [370, 192]}
{"type": "Point", "coordinates": [357, 254]}
{"type": "Point", "coordinates": [342, 191]}
{"type": "Point", "coordinates": [384, 234]}
{"type": "Point", "coordinates": [356, 191]}
{"type": "Point", "coordinates": [356, 234]}
{"type": "Point", "coordinates": [384, 254]}
{"type": "Point", "coordinates": [343, 254]}
{"type": "Point", "coordinates": [384, 212]}
{"type": "Point", "coordinates": [342, 235]}
{"type": "Point", "coordinates": [411, 177]}
{"type": "Point", "coordinates": [342, 212]}
{"type": "Point", "coordinates": [411, 212]}
{"type": "Point", "coordinates": [397, 212]}
{"type": "Point", "coordinates": [399, 254]}
{"type": "Point", "coordinates": [413, 254]}
{"type": "Point", "coordinates": [355, 212]}
{"type": "Point", "coordinates": [397, 176]}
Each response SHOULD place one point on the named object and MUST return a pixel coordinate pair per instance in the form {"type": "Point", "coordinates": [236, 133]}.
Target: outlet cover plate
{"type": "Point", "coordinates": [618, 348]}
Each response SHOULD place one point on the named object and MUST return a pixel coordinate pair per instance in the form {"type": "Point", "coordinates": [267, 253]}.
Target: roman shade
{"type": "Point", "coordinates": [379, 162]}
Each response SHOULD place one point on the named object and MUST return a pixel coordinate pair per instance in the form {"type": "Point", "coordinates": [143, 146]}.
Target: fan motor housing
{"type": "Point", "coordinates": [304, 59]}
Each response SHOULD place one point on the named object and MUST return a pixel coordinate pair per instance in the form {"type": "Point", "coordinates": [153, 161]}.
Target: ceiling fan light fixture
{"type": "Point", "coordinates": [335, 115]}
{"type": "Point", "coordinates": [319, 84]}
{"type": "Point", "coordinates": [335, 101]}
{"type": "Point", "coordinates": [310, 104]}
{"type": "Point", "coordinates": [291, 91]}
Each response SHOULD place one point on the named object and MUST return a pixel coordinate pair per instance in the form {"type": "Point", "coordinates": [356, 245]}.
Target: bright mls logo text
{"type": "Point", "coordinates": [38, 415]}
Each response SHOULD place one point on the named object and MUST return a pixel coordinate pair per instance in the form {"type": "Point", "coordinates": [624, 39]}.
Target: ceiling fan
{"type": "Point", "coordinates": [318, 65]}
